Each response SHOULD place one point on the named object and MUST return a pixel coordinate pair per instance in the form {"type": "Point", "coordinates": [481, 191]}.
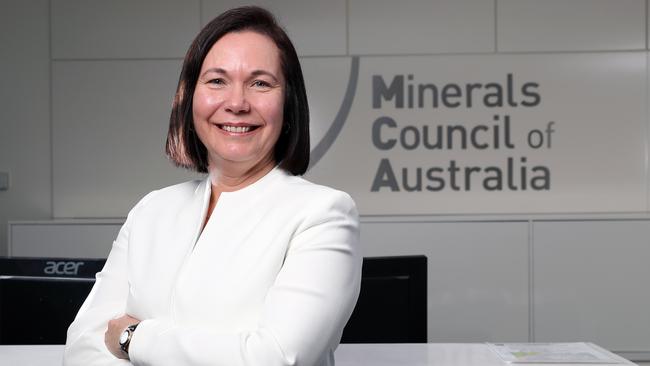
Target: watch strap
{"type": "Point", "coordinates": [125, 346]}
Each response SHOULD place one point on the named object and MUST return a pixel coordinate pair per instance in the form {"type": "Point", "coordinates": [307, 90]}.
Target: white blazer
{"type": "Point", "coordinates": [271, 280]}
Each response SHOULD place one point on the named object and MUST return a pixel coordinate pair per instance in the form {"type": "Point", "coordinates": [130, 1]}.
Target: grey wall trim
{"type": "Point", "coordinates": [496, 26]}
{"type": "Point", "coordinates": [647, 122]}
{"type": "Point", "coordinates": [531, 281]}
{"type": "Point", "coordinates": [50, 111]}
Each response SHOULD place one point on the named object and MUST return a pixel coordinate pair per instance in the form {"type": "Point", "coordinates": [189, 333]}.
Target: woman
{"type": "Point", "coordinates": [252, 266]}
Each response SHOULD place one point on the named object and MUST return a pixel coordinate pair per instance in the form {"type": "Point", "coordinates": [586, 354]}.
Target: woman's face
{"type": "Point", "coordinates": [239, 101]}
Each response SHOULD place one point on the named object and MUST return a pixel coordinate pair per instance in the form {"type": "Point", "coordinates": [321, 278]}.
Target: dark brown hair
{"type": "Point", "coordinates": [291, 150]}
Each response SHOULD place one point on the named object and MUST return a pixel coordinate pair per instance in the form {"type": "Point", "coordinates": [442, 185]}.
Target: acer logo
{"type": "Point", "coordinates": [62, 267]}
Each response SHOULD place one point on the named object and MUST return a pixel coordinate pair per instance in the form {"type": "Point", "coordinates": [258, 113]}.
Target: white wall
{"type": "Point", "coordinates": [87, 85]}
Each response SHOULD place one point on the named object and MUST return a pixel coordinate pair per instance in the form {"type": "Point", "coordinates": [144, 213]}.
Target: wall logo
{"type": "Point", "coordinates": [431, 134]}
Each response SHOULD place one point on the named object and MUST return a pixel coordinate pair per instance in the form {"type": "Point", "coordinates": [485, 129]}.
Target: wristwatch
{"type": "Point", "coordinates": [125, 338]}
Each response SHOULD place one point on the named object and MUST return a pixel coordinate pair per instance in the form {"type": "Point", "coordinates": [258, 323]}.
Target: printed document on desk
{"type": "Point", "coordinates": [575, 352]}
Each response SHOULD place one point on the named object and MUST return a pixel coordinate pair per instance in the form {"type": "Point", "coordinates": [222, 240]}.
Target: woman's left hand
{"type": "Point", "coordinates": [115, 329]}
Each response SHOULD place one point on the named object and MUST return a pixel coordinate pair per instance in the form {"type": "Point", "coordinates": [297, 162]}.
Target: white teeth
{"type": "Point", "coordinates": [236, 129]}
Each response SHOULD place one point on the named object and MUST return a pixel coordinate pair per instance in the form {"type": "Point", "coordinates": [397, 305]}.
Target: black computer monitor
{"type": "Point", "coordinates": [392, 305]}
{"type": "Point", "coordinates": [39, 297]}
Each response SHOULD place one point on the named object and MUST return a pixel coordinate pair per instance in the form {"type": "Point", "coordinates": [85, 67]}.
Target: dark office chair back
{"type": "Point", "coordinates": [39, 297]}
{"type": "Point", "coordinates": [392, 305]}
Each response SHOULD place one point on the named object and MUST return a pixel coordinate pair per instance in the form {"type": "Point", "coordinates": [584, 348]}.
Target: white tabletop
{"type": "Point", "coordinates": [31, 355]}
{"type": "Point", "coordinates": [438, 354]}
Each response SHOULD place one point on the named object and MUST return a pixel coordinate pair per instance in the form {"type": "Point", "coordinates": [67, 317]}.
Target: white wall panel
{"type": "Point", "coordinates": [421, 26]}
{"type": "Point", "coordinates": [79, 239]}
{"type": "Point", "coordinates": [122, 28]}
{"type": "Point", "coordinates": [477, 275]}
{"type": "Point", "coordinates": [110, 124]}
{"type": "Point", "coordinates": [315, 27]}
{"type": "Point", "coordinates": [591, 283]}
{"type": "Point", "coordinates": [24, 112]}
{"type": "Point", "coordinates": [570, 25]}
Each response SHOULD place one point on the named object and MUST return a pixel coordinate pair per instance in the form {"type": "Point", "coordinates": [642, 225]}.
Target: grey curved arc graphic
{"type": "Point", "coordinates": [333, 132]}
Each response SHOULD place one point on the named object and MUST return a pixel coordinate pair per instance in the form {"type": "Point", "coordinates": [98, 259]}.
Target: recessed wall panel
{"type": "Point", "coordinates": [420, 26]}
{"type": "Point", "coordinates": [591, 283]}
{"type": "Point", "coordinates": [97, 29]}
{"type": "Point", "coordinates": [315, 27]}
{"type": "Point", "coordinates": [570, 25]}
{"type": "Point", "coordinates": [477, 275]}
{"type": "Point", "coordinates": [62, 239]}
{"type": "Point", "coordinates": [110, 124]}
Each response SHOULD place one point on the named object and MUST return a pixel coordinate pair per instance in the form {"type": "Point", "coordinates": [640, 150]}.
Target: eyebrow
{"type": "Point", "coordinates": [254, 73]}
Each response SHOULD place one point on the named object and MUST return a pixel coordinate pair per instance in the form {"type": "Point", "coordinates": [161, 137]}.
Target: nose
{"type": "Point", "coordinates": [236, 101]}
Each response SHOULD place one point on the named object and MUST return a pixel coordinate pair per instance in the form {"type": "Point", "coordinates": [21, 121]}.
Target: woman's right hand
{"type": "Point", "coordinates": [115, 329]}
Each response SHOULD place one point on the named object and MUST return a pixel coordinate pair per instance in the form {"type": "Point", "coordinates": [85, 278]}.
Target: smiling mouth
{"type": "Point", "coordinates": [237, 129]}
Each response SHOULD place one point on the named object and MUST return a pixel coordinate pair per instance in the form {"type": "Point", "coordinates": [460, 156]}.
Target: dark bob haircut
{"type": "Point", "coordinates": [291, 150]}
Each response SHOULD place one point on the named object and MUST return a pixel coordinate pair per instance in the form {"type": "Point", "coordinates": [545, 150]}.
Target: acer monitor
{"type": "Point", "coordinates": [39, 298]}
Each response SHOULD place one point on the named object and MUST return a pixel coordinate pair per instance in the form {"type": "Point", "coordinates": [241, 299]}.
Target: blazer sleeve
{"type": "Point", "coordinates": [107, 300]}
{"type": "Point", "coordinates": [304, 311]}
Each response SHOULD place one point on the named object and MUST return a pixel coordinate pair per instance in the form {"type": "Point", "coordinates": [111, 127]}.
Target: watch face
{"type": "Point", "coordinates": [124, 337]}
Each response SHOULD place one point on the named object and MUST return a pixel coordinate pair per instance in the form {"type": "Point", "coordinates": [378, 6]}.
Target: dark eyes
{"type": "Point", "coordinates": [254, 83]}
{"type": "Point", "coordinates": [261, 84]}
{"type": "Point", "coordinates": [216, 81]}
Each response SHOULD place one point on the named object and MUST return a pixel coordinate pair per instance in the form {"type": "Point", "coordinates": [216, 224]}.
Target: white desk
{"type": "Point", "coordinates": [31, 355]}
{"type": "Point", "coordinates": [438, 354]}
